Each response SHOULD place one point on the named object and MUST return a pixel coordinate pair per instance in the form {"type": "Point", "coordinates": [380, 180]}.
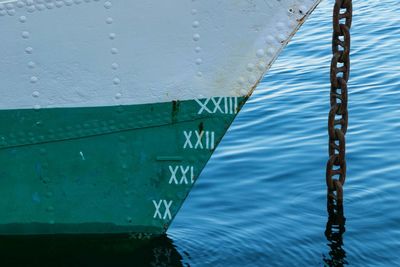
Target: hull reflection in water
{"type": "Point", "coordinates": [92, 250]}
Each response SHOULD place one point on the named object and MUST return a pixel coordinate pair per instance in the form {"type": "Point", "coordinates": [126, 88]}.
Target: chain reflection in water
{"type": "Point", "coordinates": [335, 228]}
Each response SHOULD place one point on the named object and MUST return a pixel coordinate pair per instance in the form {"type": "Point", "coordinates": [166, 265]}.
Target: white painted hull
{"type": "Point", "coordinates": [88, 53]}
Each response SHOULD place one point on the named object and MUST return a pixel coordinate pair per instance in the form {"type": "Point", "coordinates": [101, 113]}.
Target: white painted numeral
{"type": "Point", "coordinates": [157, 211]}
{"type": "Point", "coordinates": [188, 142]}
{"type": "Point", "coordinates": [223, 105]}
{"type": "Point", "coordinates": [199, 142]}
{"type": "Point", "coordinates": [184, 172]}
{"type": "Point", "coordinates": [203, 105]}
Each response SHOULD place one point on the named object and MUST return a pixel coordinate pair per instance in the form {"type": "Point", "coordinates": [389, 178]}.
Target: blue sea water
{"type": "Point", "coordinates": [261, 200]}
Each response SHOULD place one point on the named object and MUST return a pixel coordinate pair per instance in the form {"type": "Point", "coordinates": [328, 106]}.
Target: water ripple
{"type": "Point", "coordinates": [261, 199]}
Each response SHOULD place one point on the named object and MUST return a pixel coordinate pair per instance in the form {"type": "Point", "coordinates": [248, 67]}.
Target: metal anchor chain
{"type": "Point", "coordinates": [338, 115]}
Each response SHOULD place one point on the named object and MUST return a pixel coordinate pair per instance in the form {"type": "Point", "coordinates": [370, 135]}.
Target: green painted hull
{"type": "Point", "coordinates": [121, 169]}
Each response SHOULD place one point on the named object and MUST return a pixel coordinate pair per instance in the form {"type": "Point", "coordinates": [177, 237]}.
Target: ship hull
{"type": "Point", "coordinates": [110, 110]}
{"type": "Point", "coordinates": [106, 169]}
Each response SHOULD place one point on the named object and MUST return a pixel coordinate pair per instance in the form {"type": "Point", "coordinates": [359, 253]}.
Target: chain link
{"type": "Point", "coordinates": [338, 115]}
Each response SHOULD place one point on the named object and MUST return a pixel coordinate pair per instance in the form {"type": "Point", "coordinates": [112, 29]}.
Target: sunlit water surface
{"type": "Point", "coordinates": [261, 199]}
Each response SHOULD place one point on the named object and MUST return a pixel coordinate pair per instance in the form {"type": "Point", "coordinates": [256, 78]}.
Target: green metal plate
{"type": "Point", "coordinates": [105, 169]}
